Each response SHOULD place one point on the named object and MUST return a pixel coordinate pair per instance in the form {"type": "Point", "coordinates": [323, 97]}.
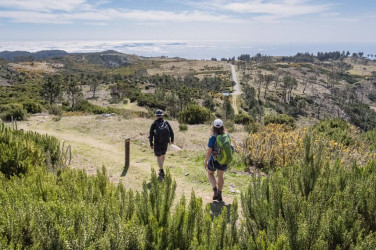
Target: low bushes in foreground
{"type": "Point", "coordinates": [310, 203]}
{"type": "Point", "coordinates": [20, 151]}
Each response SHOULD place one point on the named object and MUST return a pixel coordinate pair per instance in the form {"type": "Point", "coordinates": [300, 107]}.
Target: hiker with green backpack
{"type": "Point", "coordinates": [218, 156]}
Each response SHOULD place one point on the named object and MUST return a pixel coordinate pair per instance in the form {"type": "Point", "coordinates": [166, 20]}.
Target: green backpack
{"type": "Point", "coordinates": [223, 149]}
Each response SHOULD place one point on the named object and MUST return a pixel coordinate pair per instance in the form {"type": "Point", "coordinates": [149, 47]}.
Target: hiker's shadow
{"type": "Point", "coordinates": [217, 207]}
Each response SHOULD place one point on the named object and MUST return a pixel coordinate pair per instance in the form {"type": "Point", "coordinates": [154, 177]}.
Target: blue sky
{"type": "Point", "coordinates": [257, 21]}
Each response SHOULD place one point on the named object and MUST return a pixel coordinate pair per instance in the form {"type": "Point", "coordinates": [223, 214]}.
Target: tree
{"type": "Point", "coordinates": [173, 104]}
{"type": "Point", "coordinates": [251, 104]}
{"type": "Point", "coordinates": [52, 88]}
{"type": "Point", "coordinates": [94, 83]}
{"type": "Point", "coordinates": [209, 103]}
{"type": "Point", "coordinates": [73, 90]}
{"type": "Point", "coordinates": [228, 110]}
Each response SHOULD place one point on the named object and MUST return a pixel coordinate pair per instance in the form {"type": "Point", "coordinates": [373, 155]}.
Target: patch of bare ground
{"type": "Point", "coordinates": [184, 67]}
{"type": "Point", "coordinates": [37, 67]}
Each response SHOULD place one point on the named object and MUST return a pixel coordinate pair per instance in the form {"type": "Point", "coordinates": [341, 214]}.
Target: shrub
{"type": "Point", "coordinates": [251, 128]}
{"type": "Point", "coordinates": [230, 126]}
{"type": "Point", "coordinates": [32, 107]}
{"type": "Point", "coordinates": [311, 203]}
{"type": "Point", "coordinates": [244, 118]}
{"type": "Point", "coordinates": [183, 127]}
{"type": "Point", "coordinates": [194, 114]}
{"type": "Point", "coordinates": [274, 145]}
{"type": "Point", "coordinates": [55, 110]}
{"type": "Point", "coordinates": [279, 119]}
{"type": "Point", "coordinates": [14, 111]}
{"type": "Point", "coordinates": [335, 129]}
{"type": "Point", "coordinates": [23, 151]}
{"type": "Point", "coordinates": [75, 210]}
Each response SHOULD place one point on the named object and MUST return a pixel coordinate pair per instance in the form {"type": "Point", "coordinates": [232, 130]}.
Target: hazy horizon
{"type": "Point", "coordinates": [187, 49]}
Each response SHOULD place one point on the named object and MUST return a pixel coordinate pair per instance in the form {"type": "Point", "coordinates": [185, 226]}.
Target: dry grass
{"type": "Point", "coordinates": [36, 67]}
{"type": "Point", "coordinates": [184, 67]}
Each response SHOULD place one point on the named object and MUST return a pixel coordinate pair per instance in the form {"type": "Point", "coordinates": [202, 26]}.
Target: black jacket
{"type": "Point", "coordinates": [154, 127]}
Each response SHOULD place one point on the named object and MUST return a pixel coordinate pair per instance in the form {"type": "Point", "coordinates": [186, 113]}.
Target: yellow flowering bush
{"type": "Point", "coordinates": [273, 145]}
{"type": "Point", "coordinates": [280, 145]}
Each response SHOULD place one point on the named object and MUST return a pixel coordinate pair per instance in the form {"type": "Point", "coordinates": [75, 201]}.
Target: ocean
{"type": "Point", "coordinates": [204, 49]}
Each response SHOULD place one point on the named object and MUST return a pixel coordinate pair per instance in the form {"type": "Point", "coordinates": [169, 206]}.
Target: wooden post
{"type": "Point", "coordinates": [127, 149]}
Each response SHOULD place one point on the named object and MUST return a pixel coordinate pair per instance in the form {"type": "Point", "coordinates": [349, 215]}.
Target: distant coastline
{"type": "Point", "coordinates": [186, 49]}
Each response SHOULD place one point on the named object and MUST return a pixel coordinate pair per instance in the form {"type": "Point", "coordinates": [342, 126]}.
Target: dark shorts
{"type": "Point", "coordinates": [213, 165]}
{"type": "Point", "coordinates": [160, 149]}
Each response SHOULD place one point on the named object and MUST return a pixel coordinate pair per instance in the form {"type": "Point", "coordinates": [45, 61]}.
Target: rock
{"type": "Point", "coordinates": [108, 115]}
{"type": "Point", "coordinates": [173, 147]}
{"type": "Point", "coordinates": [186, 174]}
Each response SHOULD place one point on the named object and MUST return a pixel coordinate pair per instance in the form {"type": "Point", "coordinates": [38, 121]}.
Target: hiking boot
{"type": "Point", "coordinates": [215, 196]}
{"type": "Point", "coordinates": [161, 174]}
{"type": "Point", "coordinates": [219, 197]}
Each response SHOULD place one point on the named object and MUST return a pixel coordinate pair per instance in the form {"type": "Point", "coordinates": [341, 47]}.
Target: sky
{"type": "Point", "coordinates": [254, 21]}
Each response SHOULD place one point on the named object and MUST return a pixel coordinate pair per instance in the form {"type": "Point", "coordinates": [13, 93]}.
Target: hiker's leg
{"type": "Point", "coordinates": [160, 161]}
{"type": "Point", "coordinates": [212, 180]}
{"type": "Point", "coordinates": [163, 159]}
{"type": "Point", "coordinates": [220, 179]}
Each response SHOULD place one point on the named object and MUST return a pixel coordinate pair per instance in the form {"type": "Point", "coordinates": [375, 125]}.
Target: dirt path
{"type": "Point", "coordinates": [237, 90]}
{"type": "Point", "coordinates": [93, 147]}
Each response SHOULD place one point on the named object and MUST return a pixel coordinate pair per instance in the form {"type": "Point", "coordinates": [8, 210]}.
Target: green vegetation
{"type": "Point", "coordinates": [194, 114]}
{"type": "Point", "coordinates": [337, 130]}
{"type": "Point", "coordinates": [183, 127]}
{"type": "Point", "coordinates": [243, 118]}
{"type": "Point", "coordinates": [312, 205]}
{"type": "Point", "coordinates": [21, 152]}
{"type": "Point", "coordinates": [309, 203]}
{"type": "Point", "coordinates": [280, 119]}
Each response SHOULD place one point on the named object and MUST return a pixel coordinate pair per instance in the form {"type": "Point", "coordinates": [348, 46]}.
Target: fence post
{"type": "Point", "coordinates": [127, 149]}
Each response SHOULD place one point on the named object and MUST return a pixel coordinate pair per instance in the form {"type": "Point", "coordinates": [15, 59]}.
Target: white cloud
{"type": "Point", "coordinates": [268, 9]}
{"type": "Point", "coordinates": [114, 14]}
{"type": "Point", "coordinates": [44, 5]}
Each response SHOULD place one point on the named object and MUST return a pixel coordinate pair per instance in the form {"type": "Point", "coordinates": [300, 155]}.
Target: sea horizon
{"type": "Point", "coordinates": [198, 49]}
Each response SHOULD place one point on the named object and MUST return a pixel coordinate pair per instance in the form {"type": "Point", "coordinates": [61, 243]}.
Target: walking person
{"type": "Point", "coordinates": [160, 136]}
{"type": "Point", "coordinates": [218, 156]}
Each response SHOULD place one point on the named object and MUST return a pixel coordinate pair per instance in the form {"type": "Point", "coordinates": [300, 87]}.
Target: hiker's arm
{"type": "Point", "coordinates": [151, 135]}
{"type": "Point", "coordinates": [208, 154]}
{"type": "Point", "coordinates": [171, 132]}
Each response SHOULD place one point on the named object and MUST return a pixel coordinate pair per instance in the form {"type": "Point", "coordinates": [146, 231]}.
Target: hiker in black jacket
{"type": "Point", "coordinates": [160, 132]}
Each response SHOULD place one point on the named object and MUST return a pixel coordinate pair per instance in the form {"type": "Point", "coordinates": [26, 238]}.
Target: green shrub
{"type": "Point", "coordinates": [14, 111]}
{"type": "Point", "coordinates": [55, 110]}
{"type": "Point", "coordinates": [243, 118]}
{"type": "Point", "coordinates": [32, 107]}
{"type": "Point", "coordinates": [230, 126]}
{"type": "Point", "coordinates": [183, 127]}
{"type": "Point", "coordinates": [23, 151]}
{"type": "Point", "coordinates": [72, 210]}
{"type": "Point", "coordinates": [87, 107]}
{"type": "Point", "coordinates": [312, 203]}
{"type": "Point", "coordinates": [280, 119]}
{"type": "Point", "coordinates": [251, 128]}
{"type": "Point", "coordinates": [370, 136]}
{"type": "Point", "coordinates": [194, 114]}
{"type": "Point", "coordinates": [361, 115]}
{"type": "Point", "coordinates": [335, 129]}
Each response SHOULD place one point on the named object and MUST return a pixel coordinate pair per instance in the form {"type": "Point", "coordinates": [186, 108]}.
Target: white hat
{"type": "Point", "coordinates": [218, 123]}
